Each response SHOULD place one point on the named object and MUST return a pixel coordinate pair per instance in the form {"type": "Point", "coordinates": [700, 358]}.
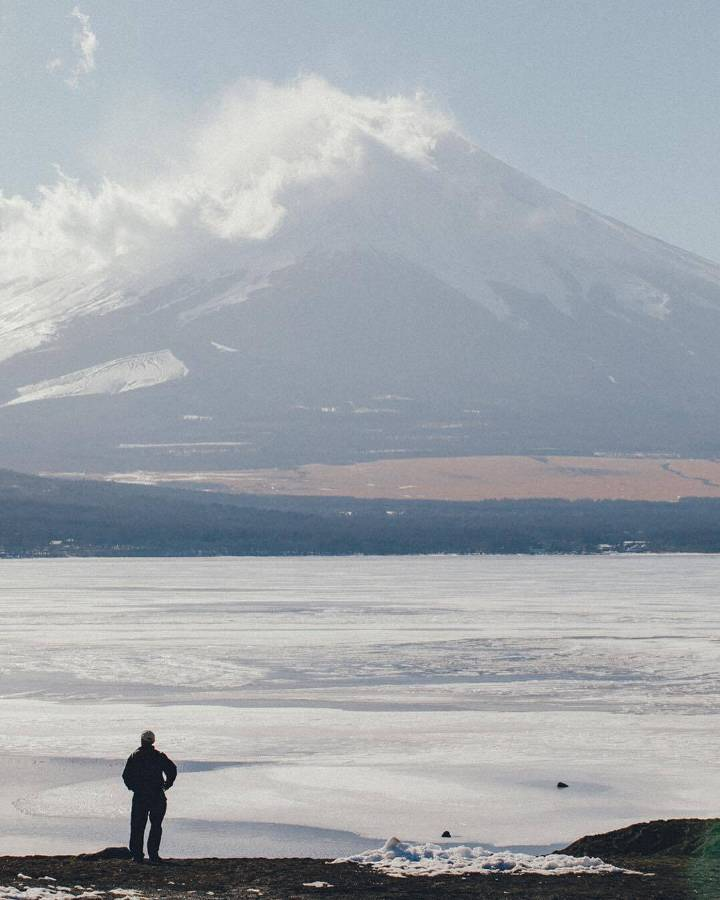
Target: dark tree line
{"type": "Point", "coordinates": [40, 516]}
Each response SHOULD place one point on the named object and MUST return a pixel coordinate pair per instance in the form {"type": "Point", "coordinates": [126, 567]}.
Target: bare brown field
{"type": "Point", "coordinates": [467, 478]}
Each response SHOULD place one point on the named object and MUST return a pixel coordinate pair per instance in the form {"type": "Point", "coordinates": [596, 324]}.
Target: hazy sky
{"type": "Point", "coordinates": [615, 102]}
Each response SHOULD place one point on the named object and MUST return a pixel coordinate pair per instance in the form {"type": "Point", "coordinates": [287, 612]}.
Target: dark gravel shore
{"type": "Point", "coordinates": [681, 858]}
{"type": "Point", "coordinates": [284, 879]}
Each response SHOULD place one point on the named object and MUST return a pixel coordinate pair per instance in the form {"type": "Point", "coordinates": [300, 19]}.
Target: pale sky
{"type": "Point", "coordinates": [614, 102]}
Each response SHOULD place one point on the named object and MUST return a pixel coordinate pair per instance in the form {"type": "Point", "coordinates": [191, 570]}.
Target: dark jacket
{"type": "Point", "coordinates": [148, 771]}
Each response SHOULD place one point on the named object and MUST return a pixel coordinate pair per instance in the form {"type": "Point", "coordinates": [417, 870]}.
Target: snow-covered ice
{"type": "Point", "coordinates": [398, 858]}
{"type": "Point", "coordinates": [318, 705]}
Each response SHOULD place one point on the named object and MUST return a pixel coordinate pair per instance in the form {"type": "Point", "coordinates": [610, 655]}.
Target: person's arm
{"type": "Point", "coordinates": [128, 775]}
{"type": "Point", "coordinates": [170, 771]}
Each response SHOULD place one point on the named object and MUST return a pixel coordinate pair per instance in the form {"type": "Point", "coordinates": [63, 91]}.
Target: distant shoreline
{"type": "Point", "coordinates": [376, 554]}
{"type": "Point", "coordinates": [57, 517]}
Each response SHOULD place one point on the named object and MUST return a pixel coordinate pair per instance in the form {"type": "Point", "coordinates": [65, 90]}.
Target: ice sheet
{"type": "Point", "coordinates": [363, 697]}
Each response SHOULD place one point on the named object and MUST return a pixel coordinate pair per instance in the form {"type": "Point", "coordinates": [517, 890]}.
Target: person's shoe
{"type": "Point", "coordinates": [138, 859]}
{"type": "Point", "coordinates": [155, 860]}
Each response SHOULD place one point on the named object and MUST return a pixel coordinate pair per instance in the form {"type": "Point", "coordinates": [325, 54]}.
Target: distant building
{"type": "Point", "coordinates": [624, 547]}
{"type": "Point", "coordinates": [634, 546]}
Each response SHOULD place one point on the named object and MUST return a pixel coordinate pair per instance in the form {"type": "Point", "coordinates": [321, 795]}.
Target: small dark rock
{"type": "Point", "coordinates": [561, 784]}
{"type": "Point", "coordinates": [446, 834]}
{"type": "Point", "coordinates": [108, 853]}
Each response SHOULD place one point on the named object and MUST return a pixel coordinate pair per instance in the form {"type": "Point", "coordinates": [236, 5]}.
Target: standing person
{"type": "Point", "coordinates": [148, 774]}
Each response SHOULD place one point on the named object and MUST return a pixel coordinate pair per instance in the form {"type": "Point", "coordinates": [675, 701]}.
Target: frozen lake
{"type": "Point", "coordinates": [319, 705]}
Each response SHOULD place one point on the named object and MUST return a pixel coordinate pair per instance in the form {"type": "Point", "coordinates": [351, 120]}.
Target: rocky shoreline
{"type": "Point", "coordinates": [678, 858]}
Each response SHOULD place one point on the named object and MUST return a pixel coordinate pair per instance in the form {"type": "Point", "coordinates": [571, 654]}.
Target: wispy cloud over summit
{"type": "Point", "coordinates": [253, 181]}
{"type": "Point", "coordinates": [85, 44]}
{"type": "Point", "coordinates": [260, 150]}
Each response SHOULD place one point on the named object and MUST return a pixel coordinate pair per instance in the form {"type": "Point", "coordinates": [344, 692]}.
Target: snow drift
{"type": "Point", "coordinates": [400, 859]}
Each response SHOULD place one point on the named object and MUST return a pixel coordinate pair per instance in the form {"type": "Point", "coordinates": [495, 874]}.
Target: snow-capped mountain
{"type": "Point", "coordinates": [316, 276]}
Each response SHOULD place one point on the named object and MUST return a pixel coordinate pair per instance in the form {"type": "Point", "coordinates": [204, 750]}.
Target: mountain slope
{"type": "Point", "coordinates": [356, 280]}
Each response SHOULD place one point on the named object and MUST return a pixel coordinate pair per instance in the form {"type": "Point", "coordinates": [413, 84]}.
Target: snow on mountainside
{"type": "Point", "coordinates": [114, 377]}
{"type": "Point", "coordinates": [337, 249]}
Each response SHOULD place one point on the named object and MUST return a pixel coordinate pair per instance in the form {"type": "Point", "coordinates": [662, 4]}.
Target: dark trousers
{"type": "Point", "coordinates": [144, 806]}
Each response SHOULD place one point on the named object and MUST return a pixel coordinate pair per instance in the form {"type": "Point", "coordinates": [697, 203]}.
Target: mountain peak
{"type": "Point", "coordinates": [344, 248]}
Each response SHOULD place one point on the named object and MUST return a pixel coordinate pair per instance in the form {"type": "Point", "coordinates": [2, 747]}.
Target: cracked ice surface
{"type": "Point", "coordinates": [367, 695]}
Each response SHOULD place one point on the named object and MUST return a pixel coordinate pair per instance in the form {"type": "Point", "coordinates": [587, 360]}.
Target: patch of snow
{"type": "Point", "coordinates": [32, 310]}
{"type": "Point", "coordinates": [318, 884]}
{"type": "Point", "coordinates": [53, 892]}
{"type": "Point", "coordinates": [30, 893]}
{"type": "Point", "coordinates": [129, 373]}
{"type": "Point", "coordinates": [646, 299]}
{"type": "Point", "coordinates": [612, 379]}
{"type": "Point", "coordinates": [193, 418]}
{"type": "Point", "coordinates": [235, 295]}
{"type": "Point", "coordinates": [183, 445]}
{"type": "Point", "coordinates": [388, 450]}
{"type": "Point", "coordinates": [400, 859]}
{"type": "Point", "coordinates": [223, 348]}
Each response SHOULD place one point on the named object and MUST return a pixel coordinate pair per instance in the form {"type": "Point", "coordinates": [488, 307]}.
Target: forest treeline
{"type": "Point", "coordinates": [58, 517]}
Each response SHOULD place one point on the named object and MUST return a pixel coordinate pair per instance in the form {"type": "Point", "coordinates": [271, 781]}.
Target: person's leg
{"type": "Point", "coordinates": [157, 814]}
{"type": "Point", "coordinates": [138, 821]}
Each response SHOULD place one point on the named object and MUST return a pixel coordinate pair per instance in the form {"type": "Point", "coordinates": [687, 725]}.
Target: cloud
{"type": "Point", "coordinates": [85, 44]}
{"type": "Point", "coordinates": [263, 176]}
{"type": "Point", "coordinates": [234, 179]}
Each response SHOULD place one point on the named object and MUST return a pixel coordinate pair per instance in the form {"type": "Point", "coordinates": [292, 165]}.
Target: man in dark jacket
{"type": "Point", "coordinates": [148, 774]}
